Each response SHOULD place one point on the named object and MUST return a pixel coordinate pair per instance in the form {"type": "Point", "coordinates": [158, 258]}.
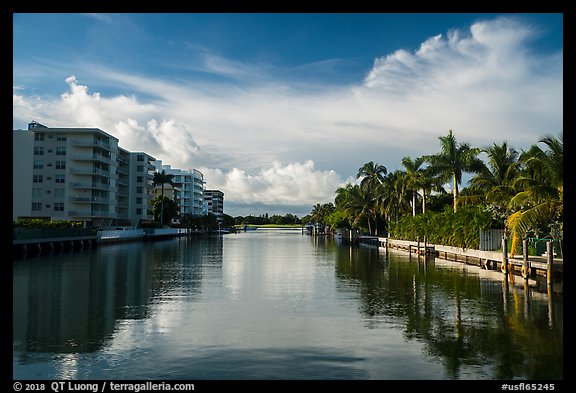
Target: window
{"type": "Point", "coordinates": [60, 178]}
{"type": "Point", "coordinates": [140, 158]}
{"type": "Point", "coordinates": [138, 190]}
{"type": "Point", "coordinates": [138, 179]}
{"type": "Point", "coordinates": [140, 168]}
{"type": "Point", "coordinates": [61, 150]}
{"type": "Point", "coordinates": [138, 211]}
{"type": "Point", "coordinates": [38, 164]}
{"type": "Point", "coordinates": [36, 192]}
{"type": "Point", "coordinates": [139, 200]}
{"type": "Point", "coordinates": [38, 137]}
{"type": "Point", "coordinates": [38, 151]}
{"type": "Point", "coordinates": [61, 138]}
{"type": "Point", "coordinates": [37, 179]}
{"type": "Point", "coordinates": [60, 164]}
{"type": "Point", "coordinates": [36, 206]}
{"type": "Point", "coordinates": [59, 207]}
{"type": "Point", "coordinates": [59, 192]}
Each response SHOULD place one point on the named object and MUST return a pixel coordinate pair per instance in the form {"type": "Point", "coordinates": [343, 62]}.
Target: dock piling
{"type": "Point", "coordinates": [549, 262]}
{"type": "Point", "coordinates": [525, 264]}
{"type": "Point", "coordinates": [504, 267]}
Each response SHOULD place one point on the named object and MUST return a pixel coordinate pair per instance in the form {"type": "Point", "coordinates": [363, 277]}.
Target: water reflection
{"type": "Point", "coordinates": [275, 306]}
{"type": "Point", "coordinates": [71, 302]}
{"type": "Point", "coordinates": [474, 323]}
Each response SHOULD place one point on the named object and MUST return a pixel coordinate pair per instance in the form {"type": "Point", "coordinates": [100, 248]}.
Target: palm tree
{"type": "Point", "coordinates": [453, 160]}
{"type": "Point", "coordinates": [395, 201]}
{"type": "Point", "coordinates": [321, 211]}
{"type": "Point", "coordinates": [358, 204]}
{"type": "Point", "coordinates": [342, 195]}
{"type": "Point", "coordinates": [372, 175]}
{"type": "Point", "coordinates": [540, 201]}
{"type": "Point", "coordinates": [493, 183]}
{"type": "Point", "coordinates": [162, 178]}
{"type": "Point", "coordinates": [316, 215]}
{"type": "Point", "coordinates": [429, 183]}
{"type": "Point", "coordinates": [414, 177]}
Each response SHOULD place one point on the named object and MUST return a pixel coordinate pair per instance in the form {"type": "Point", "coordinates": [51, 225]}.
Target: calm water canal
{"type": "Point", "coordinates": [274, 304]}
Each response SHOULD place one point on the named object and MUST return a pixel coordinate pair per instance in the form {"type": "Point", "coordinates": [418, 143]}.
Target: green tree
{"type": "Point", "coordinates": [493, 183]}
{"type": "Point", "coordinates": [164, 209]}
{"type": "Point", "coordinates": [361, 206]}
{"type": "Point", "coordinates": [539, 203]}
{"type": "Point", "coordinates": [347, 205]}
{"type": "Point", "coordinates": [228, 221]}
{"type": "Point", "coordinates": [320, 212]}
{"type": "Point", "coordinates": [162, 178]}
{"type": "Point", "coordinates": [453, 160]}
{"type": "Point", "coordinates": [414, 177]}
{"type": "Point", "coordinates": [372, 175]}
{"type": "Point", "coordinates": [429, 183]}
{"type": "Point", "coordinates": [338, 219]}
{"type": "Point", "coordinates": [395, 201]}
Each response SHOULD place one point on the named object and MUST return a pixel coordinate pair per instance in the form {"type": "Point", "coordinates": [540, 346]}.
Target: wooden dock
{"type": "Point", "coordinates": [545, 267]}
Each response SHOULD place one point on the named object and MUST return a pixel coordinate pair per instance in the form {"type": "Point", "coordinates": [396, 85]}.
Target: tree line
{"type": "Point", "coordinates": [520, 191]}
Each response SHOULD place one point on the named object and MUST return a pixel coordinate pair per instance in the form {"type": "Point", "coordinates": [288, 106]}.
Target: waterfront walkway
{"type": "Point", "coordinates": [32, 241]}
{"type": "Point", "coordinates": [546, 267]}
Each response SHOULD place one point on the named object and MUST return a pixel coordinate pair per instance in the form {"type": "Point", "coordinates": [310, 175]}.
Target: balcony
{"type": "Point", "coordinates": [122, 170]}
{"type": "Point", "coordinates": [90, 171]}
{"type": "Point", "coordinates": [123, 192]}
{"type": "Point", "coordinates": [93, 185]}
{"type": "Point", "coordinates": [90, 143]}
{"type": "Point", "coordinates": [89, 199]}
{"type": "Point", "coordinates": [90, 157]}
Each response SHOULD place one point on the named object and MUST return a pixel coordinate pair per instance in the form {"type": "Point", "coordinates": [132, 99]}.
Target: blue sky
{"type": "Point", "coordinates": [278, 110]}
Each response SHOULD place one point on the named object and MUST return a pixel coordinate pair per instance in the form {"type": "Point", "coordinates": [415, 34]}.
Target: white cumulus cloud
{"type": "Point", "coordinates": [273, 142]}
{"type": "Point", "coordinates": [277, 184]}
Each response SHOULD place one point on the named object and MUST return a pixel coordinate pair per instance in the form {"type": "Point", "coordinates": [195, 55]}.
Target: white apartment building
{"type": "Point", "coordinates": [188, 189]}
{"type": "Point", "coordinates": [215, 201]}
{"type": "Point", "coordinates": [79, 174]}
{"type": "Point", "coordinates": [141, 188]}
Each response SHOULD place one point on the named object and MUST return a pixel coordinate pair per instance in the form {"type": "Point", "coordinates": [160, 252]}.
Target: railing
{"type": "Point", "coordinates": [89, 171]}
{"type": "Point", "coordinates": [90, 157]}
{"type": "Point", "coordinates": [120, 234]}
{"type": "Point", "coordinates": [101, 186]}
{"type": "Point", "coordinates": [89, 143]}
{"type": "Point", "coordinates": [166, 231]}
{"type": "Point", "coordinates": [537, 246]}
{"type": "Point", "coordinates": [90, 199]}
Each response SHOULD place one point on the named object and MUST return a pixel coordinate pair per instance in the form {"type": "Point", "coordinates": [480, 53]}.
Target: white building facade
{"type": "Point", "coordinates": [215, 201]}
{"type": "Point", "coordinates": [79, 174]}
{"type": "Point", "coordinates": [189, 188]}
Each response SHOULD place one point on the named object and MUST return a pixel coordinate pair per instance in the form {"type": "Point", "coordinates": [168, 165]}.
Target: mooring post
{"type": "Point", "coordinates": [549, 262]}
{"type": "Point", "coordinates": [418, 245]}
{"type": "Point", "coordinates": [504, 267]}
{"type": "Point", "coordinates": [525, 266]}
